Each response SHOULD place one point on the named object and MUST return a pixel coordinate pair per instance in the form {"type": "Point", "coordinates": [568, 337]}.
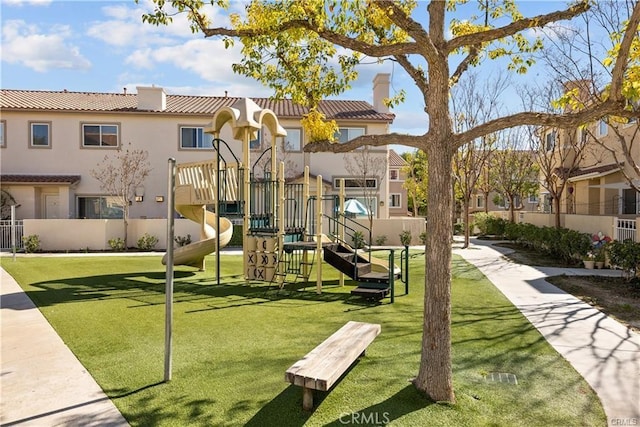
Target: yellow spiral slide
{"type": "Point", "coordinates": [193, 254]}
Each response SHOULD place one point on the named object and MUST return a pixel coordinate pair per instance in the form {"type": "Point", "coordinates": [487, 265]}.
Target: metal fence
{"type": "Point", "coordinates": [626, 229]}
{"type": "Point", "coordinates": [5, 234]}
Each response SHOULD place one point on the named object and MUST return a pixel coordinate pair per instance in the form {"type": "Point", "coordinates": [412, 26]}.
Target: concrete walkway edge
{"type": "Point", "coordinates": [42, 383]}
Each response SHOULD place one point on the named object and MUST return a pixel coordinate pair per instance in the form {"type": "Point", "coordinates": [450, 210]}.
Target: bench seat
{"type": "Point", "coordinates": [326, 363]}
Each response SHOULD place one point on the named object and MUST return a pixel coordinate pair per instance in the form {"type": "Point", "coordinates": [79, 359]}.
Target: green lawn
{"type": "Point", "coordinates": [233, 342]}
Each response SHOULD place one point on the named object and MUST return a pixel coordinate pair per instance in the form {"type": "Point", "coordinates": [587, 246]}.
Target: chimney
{"type": "Point", "coordinates": [151, 98]}
{"type": "Point", "coordinates": [380, 92]}
{"type": "Point", "coordinates": [124, 89]}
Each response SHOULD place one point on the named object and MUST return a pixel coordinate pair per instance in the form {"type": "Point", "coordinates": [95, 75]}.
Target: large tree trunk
{"type": "Point", "coordinates": [435, 375]}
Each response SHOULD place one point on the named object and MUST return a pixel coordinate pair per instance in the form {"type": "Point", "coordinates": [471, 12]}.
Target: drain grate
{"type": "Point", "coordinates": [501, 377]}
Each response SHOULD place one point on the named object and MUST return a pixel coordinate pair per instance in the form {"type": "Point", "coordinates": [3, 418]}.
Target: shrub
{"type": "Point", "coordinates": [183, 240]}
{"type": "Point", "coordinates": [458, 228]}
{"type": "Point", "coordinates": [568, 245]}
{"type": "Point", "coordinates": [381, 240]}
{"type": "Point", "coordinates": [117, 244]}
{"type": "Point", "coordinates": [358, 239]}
{"type": "Point", "coordinates": [625, 255]}
{"type": "Point", "coordinates": [147, 242]}
{"type": "Point", "coordinates": [31, 243]}
{"type": "Point", "coordinates": [236, 237]}
{"type": "Point", "coordinates": [423, 238]}
{"type": "Point", "coordinates": [405, 238]}
{"type": "Point", "coordinates": [489, 224]}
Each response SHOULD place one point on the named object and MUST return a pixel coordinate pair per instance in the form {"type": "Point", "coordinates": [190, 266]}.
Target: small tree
{"type": "Point", "coordinates": [119, 176]}
{"type": "Point", "coordinates": [6, 200]}
{"type": "Point", "coordinates": [514, 169]}
{"type": "Point", "coordinates": [365, 167]}
{"type": "Point", "coordinates": [416, 180]}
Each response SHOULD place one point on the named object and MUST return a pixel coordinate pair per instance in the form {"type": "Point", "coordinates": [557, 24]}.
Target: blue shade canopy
{"type": "Point", "coordinates": [355, 207]}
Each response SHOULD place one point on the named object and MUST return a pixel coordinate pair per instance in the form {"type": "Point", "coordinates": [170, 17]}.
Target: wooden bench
{"type": "Point", "coordinates": [326, 363]}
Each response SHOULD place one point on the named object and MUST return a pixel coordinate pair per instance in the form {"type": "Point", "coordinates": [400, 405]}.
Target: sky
{"type": "Point", "coordinates": [103, 46]}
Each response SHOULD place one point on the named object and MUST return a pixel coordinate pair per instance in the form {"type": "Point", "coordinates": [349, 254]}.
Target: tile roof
{"type": "Point", "coordinates": [598, 170]}
{"type": "Point", "coordinates": [395, 160]}
{"type": "Point", "coordinates": [176, 104]}
{"type": "Point", "coordinates": [39, 179]}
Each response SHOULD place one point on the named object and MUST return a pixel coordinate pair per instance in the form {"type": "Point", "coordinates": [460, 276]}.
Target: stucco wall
{"type": "Point", "coordinates": [94, 234]}
{"type": "Point", "coordinates": [393, 227]}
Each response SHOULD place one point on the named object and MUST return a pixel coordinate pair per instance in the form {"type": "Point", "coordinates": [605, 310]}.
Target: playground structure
{"type": "Point", "coordinates": [285, 228]}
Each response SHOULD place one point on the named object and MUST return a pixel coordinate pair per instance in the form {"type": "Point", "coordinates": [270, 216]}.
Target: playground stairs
{"type": "Point", "coordinates": [293, 266]}
{"type": "Point", "coordinates": [371, 284]}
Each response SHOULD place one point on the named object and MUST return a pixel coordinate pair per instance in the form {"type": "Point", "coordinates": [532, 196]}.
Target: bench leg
{"type": "Point", "coordinates": [307, 399]}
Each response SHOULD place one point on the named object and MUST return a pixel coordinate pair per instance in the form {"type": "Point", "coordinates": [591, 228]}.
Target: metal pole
{"type": "Point", "coordinates": [168, 327]}
{"type": "Point", "coordinates": [13, 230]}
{"type": "Point", "coordinates": [406, 269]}
{"type": "Point", "coordinates": [219, 182]}
{"type": "Point", "coordinates": [392, 275]}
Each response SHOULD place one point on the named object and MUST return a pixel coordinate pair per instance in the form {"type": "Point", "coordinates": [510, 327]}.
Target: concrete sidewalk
{"type": "Point", "coordinates": [605, 352]}
{"type": "Point", "coordinates": [42, 383]}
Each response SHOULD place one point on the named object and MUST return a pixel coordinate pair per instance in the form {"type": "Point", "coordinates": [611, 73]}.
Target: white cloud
{"type": "Point", "coordinates": [208, 59]}
{"type": "Point", "coordinates": [29, 46]}
{"type": "Point", "coordinates": [125, 27]}
{"type": "Point", "coordinates": [26, 2]}
{"type": "Point", "coordinates": [553, 31]}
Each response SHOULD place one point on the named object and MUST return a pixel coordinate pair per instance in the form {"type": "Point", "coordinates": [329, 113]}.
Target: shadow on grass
{"type": "Point", "coordinates": [289, 402]}
{"type": "Point", "coordinates": [148, 288]}
{"type": "Point", "coordinates": [405, 401]}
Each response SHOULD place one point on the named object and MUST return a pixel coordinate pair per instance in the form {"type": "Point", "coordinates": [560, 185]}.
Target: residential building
{"type": "Point", "coordinates": [51, 141]}
{"type": "Point", "coordinates": [398, 201]}
{"type": "Point", "coordinates": [597, 173]}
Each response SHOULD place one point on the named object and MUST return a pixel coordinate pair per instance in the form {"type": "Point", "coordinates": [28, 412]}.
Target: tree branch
{"type": "Point", "coordinates": [416, 74]}
{"type": "Point", "coordinates": [371, 140]}
{"type": "Point", "coordinates": [564, 120]}
{"type": "Point", "coordinates": [412, 27]}
{"type": "Point", "coordinates": [620, 66]}
{"type": "Point", "coordinates": [464, 65]}
{"type": "Point", "coordinates": [376, 51]}
{"type": "Point", "coordinates": [515, 27]}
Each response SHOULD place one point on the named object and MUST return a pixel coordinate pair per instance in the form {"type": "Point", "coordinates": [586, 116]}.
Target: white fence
{"type": "Point", "coordinates": [6, 235]}
{"type": "Point", "coordinates": [626, 229]}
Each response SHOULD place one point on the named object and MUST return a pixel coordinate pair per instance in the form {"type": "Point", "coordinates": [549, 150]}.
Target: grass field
{"type": "Point", "coordinates": [233, 342]}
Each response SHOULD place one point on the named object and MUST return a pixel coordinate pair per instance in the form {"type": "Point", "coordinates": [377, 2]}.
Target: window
{"type": "Point", "coordinates": [550, 141]}
{"type": "Point", "coordinates": [40, 135]}
{"type": "Point", "coordinates": [394, 174]}
{"type": "Point", "coordinates": [480, 201]}
{"type": "Point", "coordinates": [100, 207]}
{"type": "Point", "coordinates": [371, 183]}
{"type": "Point", "coordinates": [347, 134]}
{"type": "Point", "coordinates": [603, 128]}
{"type": "Point", "coordinates": [293, 140]}
{"type": "Point", "coordinates": [94, 135]}
{"type": "Point", "coordinates": [581, 135]}
{"type": "Point", "coordinates": [194, 137]}
{"type": "Point", "coordinates": [3, 136]}
{"type": "Point", "coordinates": [533, 199]}
{"type": "Point", "coordinates": [255, 144]}
{"type": "Point", "coordinates": [394, 200]}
